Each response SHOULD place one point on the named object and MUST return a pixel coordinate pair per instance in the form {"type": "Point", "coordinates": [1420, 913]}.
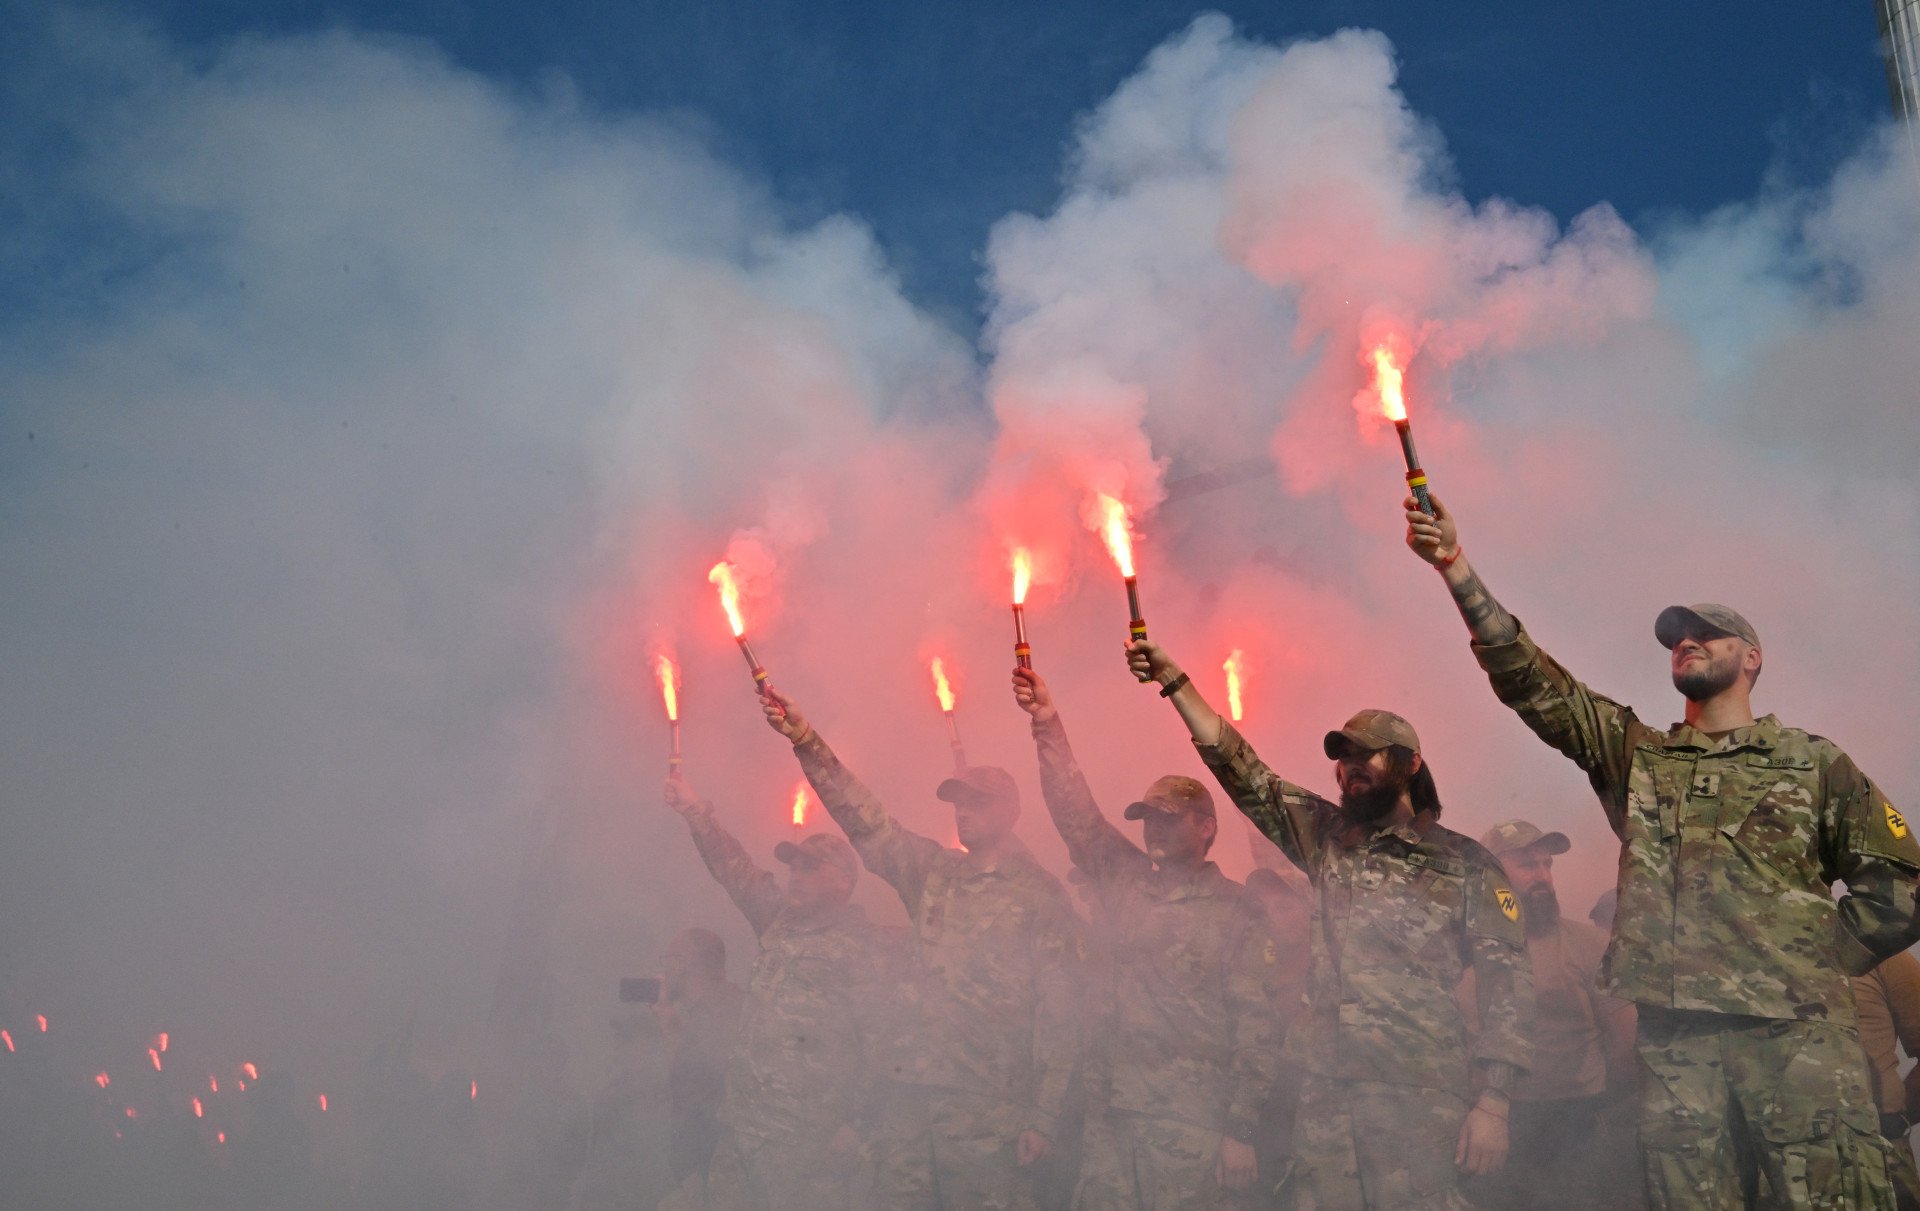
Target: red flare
{"type": "Point", "coordinates": [669, 686]}
{"type": "Point", "coordinates": [1236, 668]}
{"type": "Point", "coordinates": [7, 1038]}
{"type": "Point", "coordinates": [101, 1079]}
{"type": "Point", "coordinates": [1116, 533]}
{"type": "Point", "coordinates": [253, 1074]}
{"type": "Point", "coordinates": [1388, 379]}
{"type": "Point", "coordinates": [132, 1113]}
{"type": "Point", "coordinates": [800, 806]}
{"type": "Point", "coordinates": [155, 1057]}
{"type": "Point", "coordinates": [473, 1091]}
{"type": "Point", "coordinates": [242, 1085]}
{"type": "Point", "coordinates": [160, 1041]}
{"type": "Point", "coordinates": [221, 1138]}
{"type": "Point", "coordinates": [199, 1111]}
{"type": "Point", "coordinates": [942, 688]}
{"type": "Point", "coordinates": [42, 1019]}
{"type": "Point", "coordinates": [1022, 574]}
{"type": "Point", "coordinates": [323, 1103]}
{"type": "Point", "coordinates": [213, 1084]}
{"type": "Point", "coordinates": [722, 577]}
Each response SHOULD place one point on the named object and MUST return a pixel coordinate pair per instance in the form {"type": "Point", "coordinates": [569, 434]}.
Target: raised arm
{"type": "Point", "coordinates": [1874, 851]}
{"type": "Point", "coordinates": [897, 854]}
{"type": "Point", "coordinates": [755, 891]}
{"type": "Point", "coordinates": [1093, 842]}
{"type": "Point", "coordinates": [1589, 728]}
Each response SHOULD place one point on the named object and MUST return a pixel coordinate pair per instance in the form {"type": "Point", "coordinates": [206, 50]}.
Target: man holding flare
{"type": "Point", "coordinates": [1728, 937]}
{"type": "Point", "coordinates": [1396, 1104]}
{"type": "Point", "coordinates": [1187, 1046]}
{"type": "Point", "coordinates": [995, 953]}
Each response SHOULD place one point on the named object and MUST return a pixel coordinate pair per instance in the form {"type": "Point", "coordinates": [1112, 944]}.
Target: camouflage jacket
{"type": "Point", "coordinates": [1189, 1028]}
{"type": "Point", "coordinates": [995, 953]}
{"type": "Point", "coordinates": [1731, 848]}
{"type": "Point", "coordinates": [811, 1028]}
{"type": "Point", "coordinates": [1399, 918]}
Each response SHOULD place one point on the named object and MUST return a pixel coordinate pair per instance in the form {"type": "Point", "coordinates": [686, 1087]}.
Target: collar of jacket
{"type": "Point", "coordinates": [1763, 733]}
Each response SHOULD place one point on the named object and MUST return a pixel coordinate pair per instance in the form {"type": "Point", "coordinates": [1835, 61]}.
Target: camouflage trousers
{"type": "Point", "coordinates": [937, 1150]}
{"type": "Point", "coordinates": [1134, 1163]}
{"type": "Point", "coordinates": [1755, 1112]}
{"type": "Point", "coordinates": [753, 1174]}
{"type": "Point", "coordinates": [1368, 1146]}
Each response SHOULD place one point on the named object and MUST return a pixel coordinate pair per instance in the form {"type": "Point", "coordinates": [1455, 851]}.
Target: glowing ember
{"type": "Point", "coordinates": [101, 1079]}
{"type": "Point", "coordinates": [722, 576]}
{"type": "Point", "coordinates": [253, 1074]}
{"type": "Point", "coordinates": [160, 1041]}
{"type": "Point", "coordinates": [213, 1084]}
{"type": "Point", "coordinates": [800, 806]}
{"type": "Point", "coordinates": [1387, 378]}
{"type": "Point", "coordinates": [941, 686]}
{"type": "Point", "coordinates": [132, 1113]}
{"type": "Point", "coordinates": [1115, 532]}
{"type": "Point", "coordinates": [221, 1138]}
{"type": "Point", "coordinates": [6, 1038]}
{"type": "Point", "coordinates": [669, 686]}
{"type": "Point", "coordinates": [199, 1111]}
{"type": "Point", "coordinates": [1022, 575]}
{"type": "Point", "coordinates": [323, 1103]}
{"type": "Point", "coordinates": [242, 1086]}
{"type": "Point", "coordinates": [42, 1019]}
{"type": "Point", "coordinates": [1236, 668]}
{"type": "Point", "coordinates": [473, 1091]}
{"type": "Point", "coordinates": [155, 1057]}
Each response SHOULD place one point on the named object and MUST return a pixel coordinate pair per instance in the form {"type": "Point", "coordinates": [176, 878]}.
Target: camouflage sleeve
{"type": "Point", "coordinates": [1280, 810]}
{"type": "Point", "coordinates": [1257, 1030]}
{"type": "Point", "coordinates": [1094, 844]}
{"type": "Point", "coordinates": [897, 854]}
{"type": "Point", "coordinates": [755, 891]}
{"type": "Point", "coordinates": [1589, 728]}
{"type": "Point", "coordinates": [1496, 943]}
{"type": "Point", "coordinates": [1873, 849]}
{"type": "Point", "coordinates": [1056, 1026]}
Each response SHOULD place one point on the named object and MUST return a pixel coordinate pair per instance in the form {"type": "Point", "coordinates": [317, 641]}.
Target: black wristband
{"type": "Point", "coordinates": [1173, 687]}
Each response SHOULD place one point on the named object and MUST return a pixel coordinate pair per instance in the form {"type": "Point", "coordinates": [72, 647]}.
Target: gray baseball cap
{"type": "Point", "coordinates": [1676, 622]}
{"type": "Point", "coordinates": [1371, 730]}
{"type": "Point", "coordinates": [1511, 836]}
{"type": "Point", "coordinates": [823, 848]}
{"type": "Point", "coordinates": [1172, 794]}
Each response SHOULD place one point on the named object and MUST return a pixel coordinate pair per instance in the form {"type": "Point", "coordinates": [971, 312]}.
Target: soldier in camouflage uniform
{"type": "Point", "coordinates": [1733, 832]}
{"type": "Point", "coordinates": [1397, 1102]}
{"type": "Point", "coordinates": [799, 1083]}
{"type": "Point", "coordinates": [1189, 1044]}
{"type": "Point", "coordinates": [995, 952]}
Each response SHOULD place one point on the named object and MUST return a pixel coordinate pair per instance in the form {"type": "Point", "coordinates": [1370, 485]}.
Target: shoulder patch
{"type": "Point", "coordinates": [1896, 823]}
{"type": "Point", "coordinates": [1508, 902]}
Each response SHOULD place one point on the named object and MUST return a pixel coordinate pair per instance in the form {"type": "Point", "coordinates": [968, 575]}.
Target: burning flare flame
{"type": "Point", "coordinates": [669, 687]}
{"type": "Point", "coordinates": [199, 1111]}
{"type": "Point", "coordinates": [1022, 575]}
{"type": "Point", "coordinates": [253, 1074]}
{"type": "Point", "coordinates": [722, 576]}
{"type": "Point", "coordinates": [941, 686]}
{"type": "Point", "coordinates": [155, 1057]}
{"type": "Point", "coordinates": [1387, 378]}
{"type": "Point", "coordinates": [7, 1038]}
{"type": "Point", "coordinates": [102, 1079]}
{"type": "Point", "coordinates": [800, 805]}
{"type": "Point", "coordinates": [323, 1103]}
{"type": "Point", "coordinates": [1236, 671]}
{"type": "Point", "coordinates": [1116, 534]}
{"type": "Point", "coordinates": [42, 1019]}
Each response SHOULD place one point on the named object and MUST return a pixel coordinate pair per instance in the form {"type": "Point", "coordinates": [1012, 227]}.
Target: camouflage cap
{"type": "Point", "coordinates": [988, 780]}
{"type": "Point", "coordinates": [822, 849]}
{"type": "Point", "coordinates": [1678, 621]}
{"type": "Point", "coordinates": [1373, 731]}
{"type": "Point", "coordinates": [1172, 794]}
{"type": "Point", "coordinates": [1512, 836]}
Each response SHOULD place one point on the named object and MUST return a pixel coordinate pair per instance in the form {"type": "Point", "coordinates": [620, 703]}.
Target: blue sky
{"type": "Point", "coordinates": [933, 121]}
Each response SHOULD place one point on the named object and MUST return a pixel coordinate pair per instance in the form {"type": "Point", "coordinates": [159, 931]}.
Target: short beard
{"type": "Point", "coordinates": [1699, 684]}
{"type": "Point", "coordinates": [1543, 909]}
{"type": "Point", "coordinates": [1373, 805]}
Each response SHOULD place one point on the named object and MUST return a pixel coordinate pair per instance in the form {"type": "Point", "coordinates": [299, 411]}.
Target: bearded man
{"type": "Point", "coordinates": [1397, 1102]}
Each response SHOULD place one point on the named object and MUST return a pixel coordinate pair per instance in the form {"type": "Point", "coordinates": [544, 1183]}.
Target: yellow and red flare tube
{"type": "Point", "coordinates": [1416, 478]}
{"type": "Point", "coordinates": [1136, 625]}
{"type": "Point", "coordinates": [673, 755]}
{"type": "Point", "coordinates": [1022, 653]}
{"type": "Point", "coordinates": [953, 742]}
{"type": "Point", "coordinates": [760, 683]}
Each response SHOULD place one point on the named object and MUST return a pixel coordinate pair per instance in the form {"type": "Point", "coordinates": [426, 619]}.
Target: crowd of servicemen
{"type": "Point", "coordinates": [1406, 1020]}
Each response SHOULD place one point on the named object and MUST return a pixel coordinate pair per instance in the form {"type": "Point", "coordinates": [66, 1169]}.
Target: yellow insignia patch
{"type": "Point", "coordinates": [1508, 903]}
{"type": "Point", "coordinates": [1896, 823]}
{"type": "Point", "coordinates": [1271, 955]}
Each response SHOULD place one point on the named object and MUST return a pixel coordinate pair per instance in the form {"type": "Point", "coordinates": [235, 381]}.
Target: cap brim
{"type": "Point", "coordinates": [786, 852]}
{"type": "Point", "coordinates": [1337, 743]}
{"type": "Point", "coordinates": [1553, 843]}
{"type": "Point", "coordinates": [949, 791]}
{"type": "Point", "coordinates": [1676, 622]}
{"type": "Point", "coordinates": [1138, 809]}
